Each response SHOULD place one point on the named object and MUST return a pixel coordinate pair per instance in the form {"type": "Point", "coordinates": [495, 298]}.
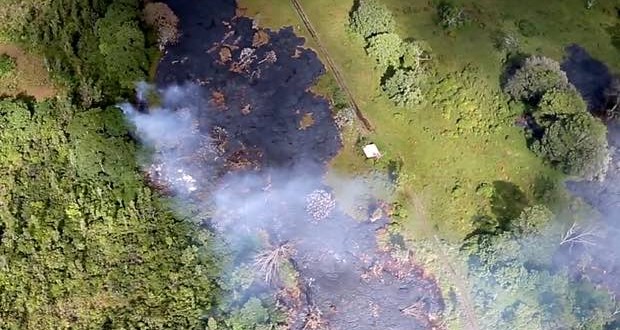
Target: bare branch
{"type": "Point", "coordinates": [269, 261]}
{"type": "Point", "coordinates": [580, 235]}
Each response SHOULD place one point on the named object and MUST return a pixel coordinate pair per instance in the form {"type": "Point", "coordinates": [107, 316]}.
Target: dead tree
{"type": "Point", "coordinates": [163, 19]}
{"type": "Point", "coordinates": [416, 310]}
{"type": "Point", "coordinates": [580, 235]}
{"type": "Point", "coordinates": [270, 261]}
{"type": "Point", "coordinates": [612, 94]}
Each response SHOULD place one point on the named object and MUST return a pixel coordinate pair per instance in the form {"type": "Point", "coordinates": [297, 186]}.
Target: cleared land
{"type": "Point", "coordinates": [29, 76]}
{"type": "Point", "coordinates": [447, 152]}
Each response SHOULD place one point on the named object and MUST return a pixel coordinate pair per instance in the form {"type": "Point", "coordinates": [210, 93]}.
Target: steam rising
{"type": "Point", "coordinates": [168, 131]}
{"type": "Point", "coordinates": [288, 210]}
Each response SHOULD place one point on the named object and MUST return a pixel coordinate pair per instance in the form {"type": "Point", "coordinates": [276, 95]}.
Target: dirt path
{"type": "Point", "coordinates": [330, 63]}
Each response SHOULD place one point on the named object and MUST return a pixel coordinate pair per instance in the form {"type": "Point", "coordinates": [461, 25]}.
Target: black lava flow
{"type": "Point", "coordinates": [277, 93]}
{"type": "Point", "coordinates": [592, 78]}
{"type": "Point", "coordinates": [264, 105]}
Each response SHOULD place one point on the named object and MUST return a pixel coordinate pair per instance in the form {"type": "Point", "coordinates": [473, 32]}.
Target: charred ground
{"type": "Point", "coordinates": [263, 144]}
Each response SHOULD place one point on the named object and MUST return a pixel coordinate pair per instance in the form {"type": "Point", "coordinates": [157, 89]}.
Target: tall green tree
{"type": "Point", "coordinates": [122, 45]}
{"type": "Point", "coordinates": [404, 87]}
{"type": "Point", "coordinates": [534, 78]}
{"type": "Point", "coordinates": [572, 139]}
{"type": "Point", "coordinates": [386, 49]}
{"type": "Point", "coordinates": [371, 17]}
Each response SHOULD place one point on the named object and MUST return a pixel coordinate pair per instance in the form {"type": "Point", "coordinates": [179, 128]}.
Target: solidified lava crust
{"type": "Point", "coordinates": [261, 104]}
{"type": "Point", "coordinates": [249, 89]}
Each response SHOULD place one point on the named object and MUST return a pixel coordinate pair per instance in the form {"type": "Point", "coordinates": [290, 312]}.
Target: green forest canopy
{"type": "Point", "coordinates": [85, 244]}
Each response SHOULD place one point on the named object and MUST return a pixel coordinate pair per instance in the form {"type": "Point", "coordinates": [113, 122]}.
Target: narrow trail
{"type": "Point", "coordinates": [330, 63]}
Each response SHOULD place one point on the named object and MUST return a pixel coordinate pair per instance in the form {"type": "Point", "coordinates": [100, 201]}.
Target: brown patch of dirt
{"type": "Point", "coordinates": [306, 121]}
{"type": "Point", "coordinates": [30, 77]}
{"type": "Point", "coordinates": [225, 54]}
{"type": "Point", "coordinates": [219, 99]}
{"type": "Point", "coordinates": [260, 38]}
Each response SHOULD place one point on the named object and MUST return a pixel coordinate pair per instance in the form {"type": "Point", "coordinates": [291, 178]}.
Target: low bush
{"type": "Point", "coordinates": [451, 16]}
{"type": "Point", "coordinates": [7, 65]}
{"type": "Point", "coordinates": [527, 28]}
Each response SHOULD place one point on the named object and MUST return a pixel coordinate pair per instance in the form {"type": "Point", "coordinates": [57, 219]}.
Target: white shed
{"type": "Point", "coordinates": [371, 151]}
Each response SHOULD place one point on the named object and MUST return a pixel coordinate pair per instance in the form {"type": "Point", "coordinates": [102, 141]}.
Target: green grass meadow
{"type": "Point", "coordinates": [462, 139]}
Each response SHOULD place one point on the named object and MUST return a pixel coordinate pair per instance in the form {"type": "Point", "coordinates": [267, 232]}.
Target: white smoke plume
{"type": "Point", "coordinates": [169, 131]}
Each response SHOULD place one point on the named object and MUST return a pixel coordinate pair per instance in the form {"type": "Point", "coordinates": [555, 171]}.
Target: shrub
{"type": "Point", "coordinates": [527, 28]}
{"type": "Point", "coordinates": [506, 42]}
{"type": "Point", "coordinates": [450, 15]}
{"type": "Point", "coordinates": [386, 49]}
{"type": "Point", "coordinates": [7, 65]}
{"type": "Point", "coordinates": [537, 75]}
{"type": "Point", "coordinates": [370, 18]}
{"type": "Point", "coordinates": [614, 33]}
{"type": "Point", "coordinates": [404, 87]}
{"type": "Point", "coordinates": [573, 140]}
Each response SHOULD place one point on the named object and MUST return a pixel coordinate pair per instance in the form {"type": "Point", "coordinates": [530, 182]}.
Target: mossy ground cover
{"type": "Point", "coordinates": [463, 139]}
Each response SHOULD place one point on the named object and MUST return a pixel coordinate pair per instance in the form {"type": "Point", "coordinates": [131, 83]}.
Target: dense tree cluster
{"type": "Point", "coordinates": [84, 244]}
{"type": "Point", "coordinates": [562, 132]}
{"type": "Point", "coordinates": [516, 285]}
{"type": "Point", "coordinates": [404, 62]}
{"type": "Point", "coordinates": [97, 47]}
{"type": "Point", "coordinates": [518, 278]}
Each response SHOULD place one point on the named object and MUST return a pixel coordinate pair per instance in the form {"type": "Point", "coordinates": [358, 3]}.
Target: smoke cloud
{"type": "Point", "coordinates": [257, 208]}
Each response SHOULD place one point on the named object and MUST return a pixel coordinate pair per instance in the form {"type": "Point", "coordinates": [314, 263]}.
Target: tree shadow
{"type": "Point", "coordinates": [507, 203]}
{"type": "Point", "coordinates": [485, 225]}
{"type": "Point", "coordinates": [512, 63]}
{"type": "Point", "coordinates": [546, 190]}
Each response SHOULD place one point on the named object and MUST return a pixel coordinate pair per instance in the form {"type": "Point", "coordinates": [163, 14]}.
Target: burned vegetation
{"type": "Point", "coordinates": [248, 149]}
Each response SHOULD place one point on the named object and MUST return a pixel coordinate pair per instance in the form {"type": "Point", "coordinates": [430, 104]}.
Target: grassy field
{"type": "Point", "coordinates": [449, 155]}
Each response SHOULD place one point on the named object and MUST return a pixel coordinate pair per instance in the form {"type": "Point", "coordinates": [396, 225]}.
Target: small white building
{"type": "Point", "coordinates": [371, 151]}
